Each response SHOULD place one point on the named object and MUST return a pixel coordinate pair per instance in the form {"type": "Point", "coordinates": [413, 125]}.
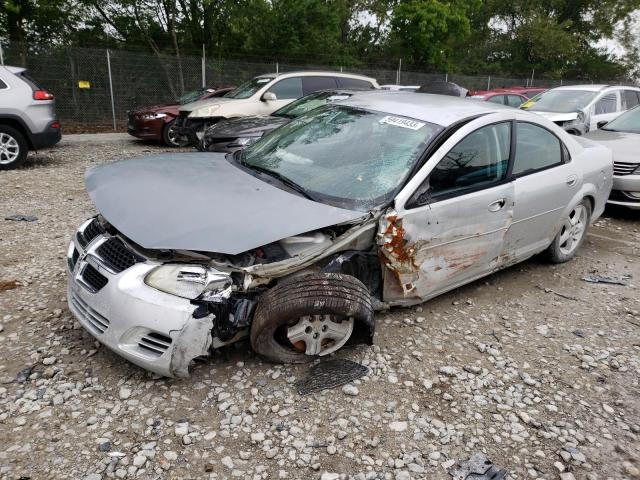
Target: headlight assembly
{"type": "Point", "coordinates": [204, 111]}
{"type": "Point", "coordinates": [189, 281]}
{"type": "Point", "coordinates": [153, 116]}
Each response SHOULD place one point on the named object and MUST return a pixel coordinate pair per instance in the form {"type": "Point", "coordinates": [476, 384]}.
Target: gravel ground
{"type": "Point", "coordinates": [532, 366]}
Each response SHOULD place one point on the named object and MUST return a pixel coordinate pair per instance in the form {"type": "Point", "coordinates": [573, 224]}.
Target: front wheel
{"type": "Point", "coordinates": [572, 234]}
{"type": "Point", "coordinates": [171, 138]}
{"type": "Point", "coordinates": [309, 316]}
{"type": "Point", "coordinates": [13, 147]}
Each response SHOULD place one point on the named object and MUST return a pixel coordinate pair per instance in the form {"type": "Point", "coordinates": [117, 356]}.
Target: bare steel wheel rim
{"type": "Point", "coordinates": [9, 149]}
{"type": "Point", "coordinates": [320, 334]}
{"type": "Point", "coordinates": [573, 230]}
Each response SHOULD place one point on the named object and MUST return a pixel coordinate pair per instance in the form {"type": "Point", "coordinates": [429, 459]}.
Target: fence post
{"type": "Point", "coordinates": [277, 68]}
{"type": "Point", "coordinates": [204, 66]}
{"type": "Point", "coordinates": [446, 76]}
{"type": "Point", "coordinates": [113, 107]}
{"type": "Point", "coordinates": [489, 83]}
{"type": "Point", "coordinates": [399, 72]}
{"type": "Point", "coordinates": [1, 55]}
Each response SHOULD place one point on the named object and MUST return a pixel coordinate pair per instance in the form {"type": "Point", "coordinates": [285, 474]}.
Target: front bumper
{"type": "Point", "coordinates": [147, 129]}
{"type": "Point", "coordinates": [626, 191]}
{"type": "Point", "coordinates": [151, 329]}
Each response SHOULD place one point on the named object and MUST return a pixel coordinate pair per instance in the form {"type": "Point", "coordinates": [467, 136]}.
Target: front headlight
{"type": "Point", "coordinates": [204, 111]}
{"type": "Point", "coordinates": [152, 116]}
{"type": "Point", "coordinates": [188, 281]}
{"type": "Point", "coordinates": [243, 141]}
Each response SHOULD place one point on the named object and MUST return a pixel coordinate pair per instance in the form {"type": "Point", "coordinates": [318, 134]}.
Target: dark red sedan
{"type": "Point", "coordinates": [156, 123]}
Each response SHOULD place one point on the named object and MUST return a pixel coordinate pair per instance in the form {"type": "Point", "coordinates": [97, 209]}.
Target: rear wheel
{"type": "Point", "coordinates": [13, 147]}
{"type": "Point", "coordinates": [309, 316]}
{"type": "Point", "coordinates": [572, 234]}
{"type": "Point", "coordinates": [171, 138]}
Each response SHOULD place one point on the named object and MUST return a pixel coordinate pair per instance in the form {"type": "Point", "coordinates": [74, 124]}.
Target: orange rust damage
{"type": "Point", "coordinates": [397, 245]}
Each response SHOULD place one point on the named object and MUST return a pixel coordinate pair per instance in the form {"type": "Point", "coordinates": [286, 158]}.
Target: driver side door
{"type": "Point", "coordinates": [451, 230]}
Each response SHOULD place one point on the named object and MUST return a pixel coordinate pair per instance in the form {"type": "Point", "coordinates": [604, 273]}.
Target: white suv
{"type": "Point", "coordinates": [263, 95]}
{"type": "Point", "coordinates": [581, 108]}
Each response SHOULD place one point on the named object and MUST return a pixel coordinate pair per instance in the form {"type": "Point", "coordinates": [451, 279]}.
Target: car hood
{"type": "Point", "coordinates": [624, 145]}
{"type": "Point", "coordinates": [169, 108]}
{"type": "Point", "coordinates": [246, 127]}
{"type": "Point", "coordinates": [207, 102]}
{"type": "Point", "coordinates": [202, 202]}
{"type": "Point", "coordinates": [557, 117]}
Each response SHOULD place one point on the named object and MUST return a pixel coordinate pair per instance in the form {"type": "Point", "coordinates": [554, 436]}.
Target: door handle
{"type": "Point", "coordinates": [572, 180]}
{"type": "Point", "coordinates": [497, 205]}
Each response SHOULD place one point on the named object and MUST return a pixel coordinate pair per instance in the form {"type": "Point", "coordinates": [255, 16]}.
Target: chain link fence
{"type": "Point", "coordinates": [94, 88]}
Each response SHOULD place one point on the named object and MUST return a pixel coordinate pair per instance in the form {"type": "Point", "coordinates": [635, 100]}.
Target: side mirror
{"type": "Point", "coordinates": [602, 123]}
{"type": "Point", "coordinates": [269, 97]}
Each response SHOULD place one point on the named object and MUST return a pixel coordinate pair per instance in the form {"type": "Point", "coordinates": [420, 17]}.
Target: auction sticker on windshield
{"type": "Point", "coordinates": [402, 122]}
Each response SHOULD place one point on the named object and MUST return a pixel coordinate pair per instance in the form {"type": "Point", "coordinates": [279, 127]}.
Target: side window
{"type": "Point", "coordinates": [288, 89]}
{"type": "Point", "coordinates": [497, 99]}
{"type": "Point", "coordinates": [536, 149]}
{"type": "Point", "coordinates": [2, 85]}
{"type": "Point", "coordinates": [514, 100]}
{"type": "Point", "coordinates": [354, 83]}
{"type": "Point", "coordinates": [313, 84]}
{"type": "Point", "coordinates": [606, 104]}
{"type": "Point", "coordinates": [479, 160]}
{"type": "Point", "coordinates": [629, 99]}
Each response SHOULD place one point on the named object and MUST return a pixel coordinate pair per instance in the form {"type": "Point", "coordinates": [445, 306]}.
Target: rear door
{"type": "Point", "coordinates": [545, 179]}
{"type": "Point", "coordinates": [313, 84]}
{"type": "Point", "coordinates": [605, 109]}
{"type": "Point", "coordinates": [451, 229]}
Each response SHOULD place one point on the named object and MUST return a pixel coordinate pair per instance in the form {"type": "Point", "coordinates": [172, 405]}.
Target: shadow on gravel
{"type": "Point", "coordinates": [621, 213]}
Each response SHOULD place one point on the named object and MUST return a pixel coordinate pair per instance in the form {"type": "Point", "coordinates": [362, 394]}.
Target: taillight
{"type": "Point", "coordinates": [55, 125]}
{"type": "Point", "coordinates": [42, 95]}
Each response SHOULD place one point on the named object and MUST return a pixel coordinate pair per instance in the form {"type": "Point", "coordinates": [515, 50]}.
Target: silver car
{"type": "Point", "coordinates": [381, 200]}
{"type": "Point", "coordinates": [622, 136]}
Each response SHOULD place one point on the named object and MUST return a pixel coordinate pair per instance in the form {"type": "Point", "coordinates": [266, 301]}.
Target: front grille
{"type": "Point", "coordinates": [624, 168]}
{"type": "Point", "coordinates": [98, 323]}
{"type": "Point", "coordinates": [90, 232]}
{"type": "Point", "coordinates": [93, 278]}
{"type": "Point", "coordinates": [74, 259]}
{"type": "Point", "coordinates": [155, 343]}
{"type": "Point", "coordinates": [116, 256]}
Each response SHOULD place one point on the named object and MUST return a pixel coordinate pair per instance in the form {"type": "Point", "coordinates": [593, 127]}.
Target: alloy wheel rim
{"type": "Point", "coordinates": [173, 136]}
{"type": "Point", "coordinates": [320, 334]}
{"type": "Point", "coordinates": [9, 149]}
{"type": "Point", "coordinates": [573, 230]}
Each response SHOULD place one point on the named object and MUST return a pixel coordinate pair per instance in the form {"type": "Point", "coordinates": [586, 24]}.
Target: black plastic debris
{"type": "Point", "coordinates": [597, 278]}
{"type": "Point", "coordinates": [478, 467]}
{"type": "Point", "coordinates": [330, 374]}
{"type": "Point", "coordinates": [21, 218]}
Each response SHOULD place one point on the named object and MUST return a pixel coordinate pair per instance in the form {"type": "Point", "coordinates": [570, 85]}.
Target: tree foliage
{"type": "Point", "coordinates": [558, 38]}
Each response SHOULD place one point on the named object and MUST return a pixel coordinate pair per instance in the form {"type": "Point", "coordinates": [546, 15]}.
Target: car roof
{"type": "Point", "coordinates": [442, 110]}
{"type": "Point", "coordinates": [15, 70]}
{"type": "Point", "coordinates": [593, 88]}
{"type": "Point", "coordinates": [316, 73]}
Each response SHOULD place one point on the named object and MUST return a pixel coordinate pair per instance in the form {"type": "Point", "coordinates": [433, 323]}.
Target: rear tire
{"type": "Point", "coordinates": [170, 138]}
{"type": "Point", "coordinates": [326, 299]}
{"type": "Point", "coordinates": [13, 148]}
{"type": "Point", "coordinates": [572, 234]}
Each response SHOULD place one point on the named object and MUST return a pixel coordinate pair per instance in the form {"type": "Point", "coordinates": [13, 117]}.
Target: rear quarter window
{"type": "Point", "coordinates": [354, 83]}
{"type": "Point", "coordinates": [3, 85]}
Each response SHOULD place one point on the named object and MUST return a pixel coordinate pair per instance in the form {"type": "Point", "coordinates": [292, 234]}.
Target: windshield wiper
{"type": "Point", "coordinates": [281, 178]}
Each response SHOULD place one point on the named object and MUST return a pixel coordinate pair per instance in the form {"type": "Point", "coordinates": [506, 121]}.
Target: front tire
{"type": "Point", "coordinates": [309, 316]}
{"type": "Point", "coordinates": [171, 138]}
{"type": "Point", "coordinates": [13, 148]}
{"type": "Point", "coordinates": [572, 234]}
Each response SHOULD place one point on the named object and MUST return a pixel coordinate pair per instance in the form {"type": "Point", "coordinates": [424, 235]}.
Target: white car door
{"type": "Point", "coordinates": [544, 181]}
{"type": "Point", "coordinates": [449, 222]}
{"type": "Point", "coordinates": [605, 109]}
{"type": "Point", "coordinates": [286, 91]}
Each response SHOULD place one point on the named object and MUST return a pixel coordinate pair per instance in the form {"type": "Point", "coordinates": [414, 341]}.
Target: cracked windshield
{"type": "Point", "coordinates": [344, 156]}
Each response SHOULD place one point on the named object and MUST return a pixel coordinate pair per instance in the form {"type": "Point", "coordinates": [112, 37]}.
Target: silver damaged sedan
{"type": "Point", "coordinates": [379, 200]}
